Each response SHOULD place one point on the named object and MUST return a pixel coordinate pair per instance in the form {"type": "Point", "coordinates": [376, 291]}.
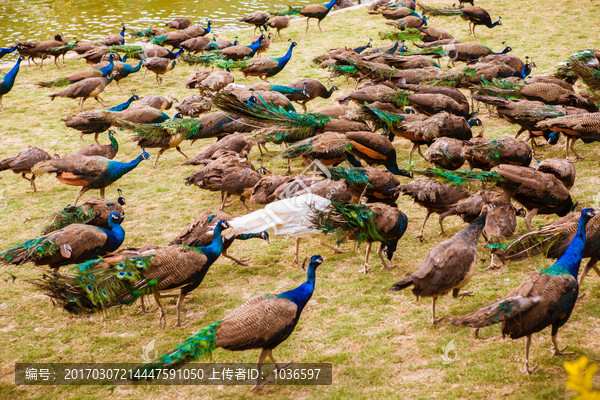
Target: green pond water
{"type": "Point", "coordinates": [94, 19]}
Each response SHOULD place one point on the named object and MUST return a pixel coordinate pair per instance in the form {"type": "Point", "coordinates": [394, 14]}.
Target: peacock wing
{"type": "Point", "coordinates": [26, 159]}
{"type": "Point", "coordinates": [445, 268]}
{"type": "Point", "coordinates": [174, 266]}
{"type": "Point", "coordinates": [255, 322]}
{"type": "Point", "coordinates": [199, 232]}
{"type": "Point", "coordinates": [260, 64]}
{"type": "Point", "coordinates": [76, 239]}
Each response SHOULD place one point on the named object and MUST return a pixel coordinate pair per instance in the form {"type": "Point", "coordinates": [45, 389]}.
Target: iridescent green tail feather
{"type": "Point", "coordinates": [352, 219]}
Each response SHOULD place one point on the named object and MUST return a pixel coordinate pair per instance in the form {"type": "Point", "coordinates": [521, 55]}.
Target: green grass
{"type": "Point", "coordinates": [380, 343]}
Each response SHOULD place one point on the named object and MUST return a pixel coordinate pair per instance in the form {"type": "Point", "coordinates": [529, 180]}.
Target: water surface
{"type": "Point", "coordinates": [94, 19]}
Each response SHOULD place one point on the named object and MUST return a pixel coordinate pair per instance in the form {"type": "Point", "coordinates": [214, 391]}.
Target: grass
{"type": "Point", "coordinates": [380, 343]}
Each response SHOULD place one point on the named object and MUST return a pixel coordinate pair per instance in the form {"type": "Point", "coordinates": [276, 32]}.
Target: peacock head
{"type": "Point", "coordinates": [120, 199]}
{"type": "Point", "coordinates": [315, 261]}
{"type": "Point", "coordinates": [293, 44]}
{"type": "Point", "coordinates": [115, 218]}
{"type": "Point", "coordinates": [264, 235]}
{"type": "Point", "coordinates": [134, 97]}
{"type": "Point", "coordinates": [588, 213]}
{"type": "Point", "coordinates": [474, 122]}
{"type": "Point", "coordinates": [21, 58]}
{"type": "Point", "coordinates": [487, 207]}
{"type": "Point", "coordinates": [145, 156]}
{"type": "Point", "coordinates": [424, 20]}
{"type": "Point", "coordinates": [221, 225]}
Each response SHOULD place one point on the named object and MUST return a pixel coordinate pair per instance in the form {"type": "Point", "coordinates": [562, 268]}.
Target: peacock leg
{"type": "Point", "coordinates": [224, 197]}
{"type": "Point", "coordinates": [179, 150]}
{"type": "Point", "coordinates": [435, 321]}
{"type": "Point", "coordinates": [279, 33]}
{"type": "Point", "coordinates": [145, 70]}
{"type": "Point", "coordinates": [55, 63]}
{"type": "Point", "coordinates": [457, 293]}
{"type": "Point", "coordinates": [296, 251]}
{"type": "Point", "coordinates": [1, 108]}
{"type": "Point", "coordinates": [31, 180]}
{"type": "Point", "coordinates": [567, 138]}
{"type": "Point", "coordinates": [180, 299]}
{"type": "Point", "coordinates": [304, 107]}
{"type": "Point", "coordinates": [95, 138]}
{"type": "Point", "coordinates": [366, 265]}
{"type": "Point", "coordinates": [289, 168]}
{"type": "Point", "coordinates": [243, 201]}
{"type": "Point", "coordinates": [120, 88]}
{"type": "Point", "coordinates": [319, 25]}
{"type": "Point", "coordinates": [162, 316]}
{"type": "Point", "coordinates": [99, 100]}
{"type": "Point", "coordinates": [578, 157]}
{"type": "Point", "coordinates": [421, 154]}
{"type": "Point", "coordinates": [492, 265]}
{"type": "Point", "coordinates": [529, 217]}
{"type": "Point", "coordinates": [81, 103]}
{"type": "Point", "coordinates": [306, 25]}
{"type": "Point", "coordinates": [42, 64]}
{"type": "Point", "coordinates": [81, 192]}
{"type": "Point", "coordinates": [519, 132]}
{"type": "Point", "coordinates": [420, 235]}
{"type": "Point", "coordinates": [235, 260]}
{"type": "Point", "coordinates": [259, 363]}
{"type": "Point", "coordinates": [158, 156]}
{"type": "Point", "coordinates": [102, 193]}
{"type": "Point", "coordinates": [382, 258]}
{"type": "Point", "coordinates": [556, 351]}
{"type": "Point", "coordinates": [410, 153]}
{"type": "Point", "coordinates": [143, 309]}
{"type": "Point", "coordinates": [528, 370]}
{"type": "Point", "coordinates": [336, 250]}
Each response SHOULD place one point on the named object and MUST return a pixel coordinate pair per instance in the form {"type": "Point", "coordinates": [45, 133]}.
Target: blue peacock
{"type": "Point", "coordinates": [263, 67]}
{"type": "Point", "coordinates": [316, 11]}
{"type": "Point", "coordinates": [544, 298]}
{"type": "Point", "coordinates": [263, 322]}
{"type": "Point", "coordinates": [88, 172]}
{"type": "Point", "coordinates": [7, 81]}
{"type": "Point", "coordinates": [72, 244]}
{"type": "Point", "coordinates": [123, 277]}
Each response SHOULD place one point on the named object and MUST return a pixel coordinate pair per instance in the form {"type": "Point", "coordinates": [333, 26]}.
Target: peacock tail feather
{"type": "Point", "coordinates": [144, 33]}
{"type": "Point", "coordinates": [61, 49]}
{"type": "Point", "coordinates": [564, 70]}
{"type": "Point", "coordinates": [499, 88]}
{"type": "Point", "coordinates": [588, 74]}
{"type": "Point", "coordinates": [460, 178]}
{"type": "Point", "coordinates": [290, 11]}
{"type": "Point", "coordinates": [439, 11]}
{"type": "Point", "coordinates": [454, 79]}
{"type": "Point", "coordinates": [188, 127]}
{"type": "Point", "coordinates": [129, 50]}
{"type": "Point", "coordinates": [232, 64]}
{"type": "Point", "coordinates": [345, 219]}
{"type": "Point", "coordinates": [400, 99]}
{"type": "Point", "coordinates": [207, 59]}
{"type": "Point", "coordinates": [159, 40]}
{"type": "Point", "coordinates": [31, 249]}
{"type": "Point", "coordinates": [60, 82]}
{"type": "Point", "coordinates": [69, 215]}
{"type": "Point", "coordinates": [94, 285]}
{"type": "Point", "coordinates": [352, 176]}
{"type": "Point", "coordinates": [381, 119]}
{"type": "Point", "coordinates": [199, 344]}
{"type": "Point", "coordinates": [408, 34]}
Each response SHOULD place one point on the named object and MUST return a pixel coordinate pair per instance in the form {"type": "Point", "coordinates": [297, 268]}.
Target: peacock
{"type": "Point", "coordinates": [164, 135]}
{"type": "Point", "coordinates": [278, 23]}
{"type": "Point", "coordinates": [72, 244]}
{"type": "Point", "coordinates": [263, 322]}
{"type": "Point", "coordinates": [120, 279]}
{"type": "Point", "coordinates": [103, 72]}
{"type": "Point", "coordinates": [257, 18]}
{"type": "Point", "coordinates": [544, 298]}
{"type": "Point", "coordinates": [372, 222]}
{"type": "Point", "coordinates": [375, 184]}
{"type": "Point", "coordinates": [125, 72]}
{"type": "Point", "coordinates": [84, 89]}
{"type": "Point", "coordinates": [103, 150]}
{"type": "Point", "coordinates": [198, 233]}
{"type": "Point", "coordinates": [94, 211]}
{"type": "Point", "coordinates": [115, 39]}
{"type": "Point", "coordinates": [485, 154]}
{"type": "Point", "coordinates": [7, 81]}
{"type": "Point", "coordinates": [263, 67]}
{"type": "Point", "coordinates": [24, 162]}
{"type": "Point", "coordinates": [539, 192]}
{"type": "Point", "coordinates": [315, 11]}
{"type": "Point", "coordinates": [178, 23]}
{"type": "Point", "coordinates": [473, 14]}
{"type": "Point", "coordinates": [448, 267]}
{"type": "Point", "coordinates": [237, 53]}
{"type": "Point", "coordinates": [578, 126]}
{"type": "Point", "coordinates": [159, 66]}
{"type": "Point", "coordinates": [311, 89]}
{"type": "Point", "coordinates": [88, 172]}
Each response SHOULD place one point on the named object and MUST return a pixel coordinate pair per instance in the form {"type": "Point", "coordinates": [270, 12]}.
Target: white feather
{"type": "Point", "coordinates": [287, 217]}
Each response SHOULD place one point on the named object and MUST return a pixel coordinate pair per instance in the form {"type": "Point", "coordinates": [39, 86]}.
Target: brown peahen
{"type": "Point", "coordinates": [435, 196]}
{"type": "Point", "coordinates": [84, 89]}
{"type": "Point", "coordinates": [159, 66]}
{"type": "Point", "coordinates": [313, 89]}
{"type": "Point", "coordinates": [257, 18]}
{"type": "Point", "coordinates": [580, 126]}
{"type": "Point", "coordinates": [209, 81]}
{"type": "Point", "coordinates": [193, 106]}
{"type": "Point", "coordinates": [178, 23]}
{"type": "Point", "coordinates": [236, 142]}
{"type": "Point", "coordinates": [446, 153]}
{"type": "Point", "coordinates": [23, 163]}
{"type": "Point", "coordinates": [544, 298]}
{"type": "Point", "coordinates": [448, 267]}
{"type": "Point", "coordinates": [279, 23]}
{"type": "Point", "coordinates": [485, 154]}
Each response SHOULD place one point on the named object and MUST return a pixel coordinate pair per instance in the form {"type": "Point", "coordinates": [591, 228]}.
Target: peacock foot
{"type": "Point", "coordinates": [181, 324]}
{"type": "Point", "coordinates": [387, 268]}
{"type": "Point", "coordinates": [558, 352]}
{"type": "Point", "coordinates": [464, 294]}
{"type": "Point", "coordinates": [365, 268]}
{"type": "Point", "coordinates": [531, 370]}
{"type": "Point", "coordinates": [146, 311]}
{"type": "Point", "coordinates": [420, 237]}
{"type": "Point", "coordinates": [437, 321]}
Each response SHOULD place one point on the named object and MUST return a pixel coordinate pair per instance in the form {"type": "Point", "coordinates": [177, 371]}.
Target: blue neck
{"type": "Point", "coordinates": [525, 71]}
{"type": "Point", "coordinates": [130, 70]}
{"type": "Point", "coordinates": [207, 30]}
{"type": "Point", "coordinates": [5, 51]}
{"type": "Point", "coordinates": [122, 32]}
{"type": "Point", "coordinates": [115, 236]}
{"type": "Point", "coordinates": [302, 294]}
{"type": "Point", "coordinates": [246, 236]}
{"type": "Point", "coordinates": [178, 52]}
{"type": "Point", "coordinates": [9, 79]}
{"type": "Point", "coordinates": [330, 5]}
{"type": "Point", "coordinates": [570, 261]}
{"type": "Point", "coordinates": [494, 24]}
{"type": "Point", "coordinates": [284, 60]}
{"type": "Point", "coordinates": [215, 248]}
{"type": "Point", "coordinates": [117, 169]}
{"type": "Point", "coordinates": [107, 70]}
{"type": "Point", "coordinates": [392, 166]}
{"type": "Point", "coordinates": [113, 142]}
{"type": "Point", "coordinates": [361, 48]}
{"type": "Point", "coordinates": [254, 47]}
{"type": "Point", "coordinates": [122, 106]}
